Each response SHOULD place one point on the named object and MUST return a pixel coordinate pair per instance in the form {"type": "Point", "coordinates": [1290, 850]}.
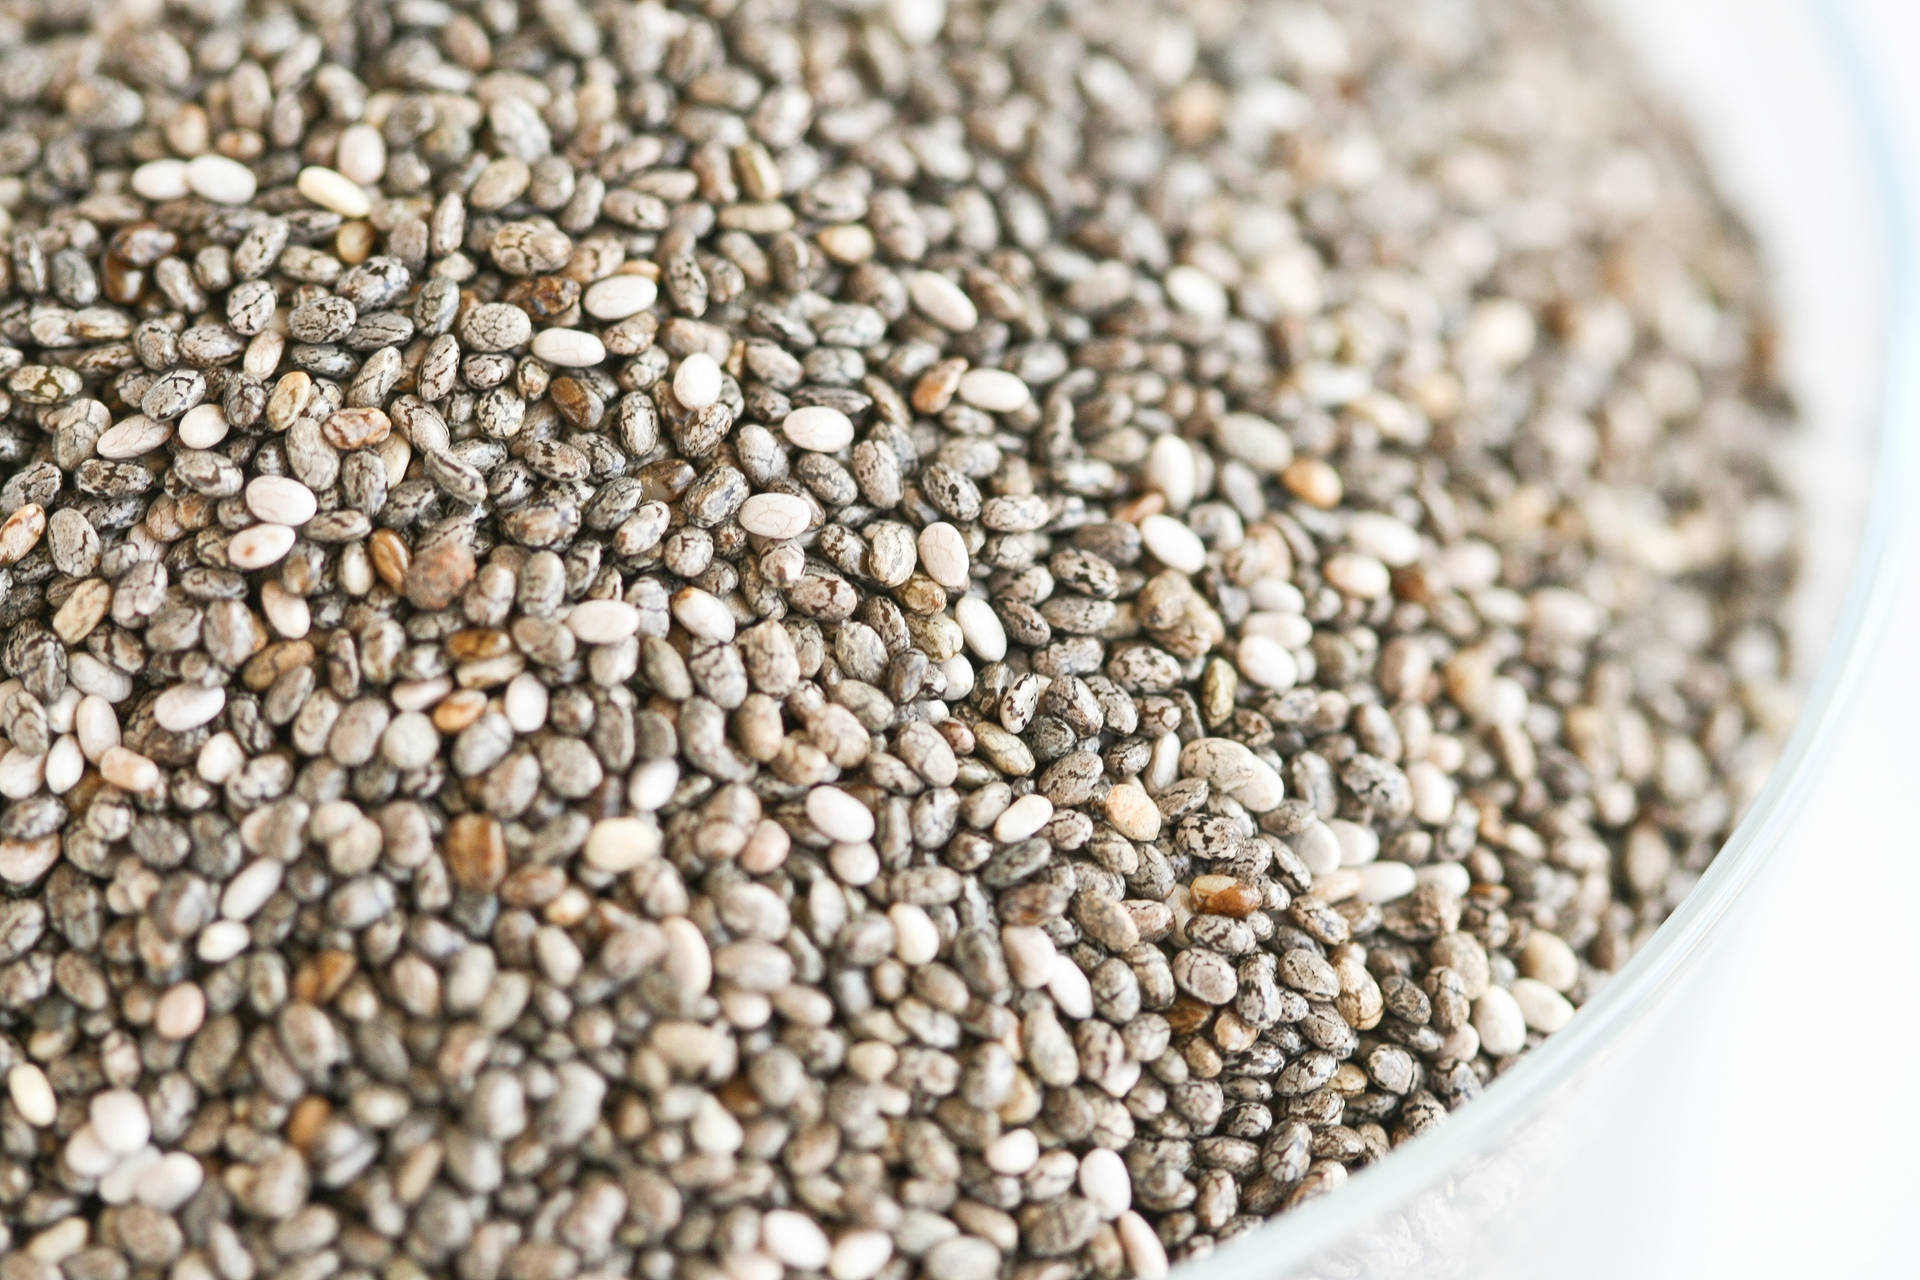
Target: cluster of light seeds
{"type": "Point", "coordinates": [942, 638]}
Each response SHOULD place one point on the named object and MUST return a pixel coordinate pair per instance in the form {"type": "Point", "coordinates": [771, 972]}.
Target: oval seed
{"type": "Point", "coordinates": [569, 348]}
{"type": "Point", "coordinates": [943, 554]}
{"type": "Point", "coordinates": [221, 180]}
{"type": "Point", "coordinates": [164, 179]}
{"type": "Point", "coordinates": [838, 815]}
{"type": "Point", "coordinates": [994, 390]}
{"type": "Point", "coordinates": [819, 428]}
{"type": "Point", "coordinates": [775, 515]}
{"type": "Point", "coordinates": [32, 1096]}
{"type": "Point", "coordinates": [185, 707]}
{"type": "Point", "coordinates": [260, 545]}
{"type": "Point", "coordinates": [618, 297]}
{"type": "Point", "coordinates": [696, 383]}
{"type": "Point", "coordinates": [331, 189]}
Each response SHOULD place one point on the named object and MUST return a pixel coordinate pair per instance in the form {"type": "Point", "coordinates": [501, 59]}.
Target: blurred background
{"type": "Point", "coordinates": [1782, 1139]}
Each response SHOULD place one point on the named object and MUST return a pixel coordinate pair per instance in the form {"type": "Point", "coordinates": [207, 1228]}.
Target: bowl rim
{"type": "Point", "coordinates": [1298, 1236]}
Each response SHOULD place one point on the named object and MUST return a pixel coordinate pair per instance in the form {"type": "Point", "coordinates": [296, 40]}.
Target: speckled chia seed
{"type": "Point", "coordinates": [953, 638]}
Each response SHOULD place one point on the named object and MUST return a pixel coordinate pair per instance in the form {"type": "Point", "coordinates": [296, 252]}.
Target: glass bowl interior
{"type": "Point", "coordinates": [1785, 113]}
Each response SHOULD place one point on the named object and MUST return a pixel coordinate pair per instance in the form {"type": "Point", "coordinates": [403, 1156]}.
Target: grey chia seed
{"type": "Point", "coordinates": [949, 638]}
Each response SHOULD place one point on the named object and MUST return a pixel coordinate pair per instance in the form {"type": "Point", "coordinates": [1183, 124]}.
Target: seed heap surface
{"type": "Point", "coordinates": [873, 640]}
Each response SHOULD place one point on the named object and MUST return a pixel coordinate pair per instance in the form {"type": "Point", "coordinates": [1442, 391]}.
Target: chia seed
{"type": "Point", "coordinates": [953, 639]}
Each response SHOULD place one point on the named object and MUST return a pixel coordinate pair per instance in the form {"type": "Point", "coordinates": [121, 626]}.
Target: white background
{"type": "Point", "coordinates": [1790, 1131]}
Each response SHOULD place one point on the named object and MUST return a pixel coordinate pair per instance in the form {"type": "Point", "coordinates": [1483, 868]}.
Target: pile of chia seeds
{"type": "Point", "coordinates": [734, 639]}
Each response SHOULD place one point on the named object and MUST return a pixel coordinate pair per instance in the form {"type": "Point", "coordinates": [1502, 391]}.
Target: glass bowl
{"type": "Point", "coordinates": [1779, 96]}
